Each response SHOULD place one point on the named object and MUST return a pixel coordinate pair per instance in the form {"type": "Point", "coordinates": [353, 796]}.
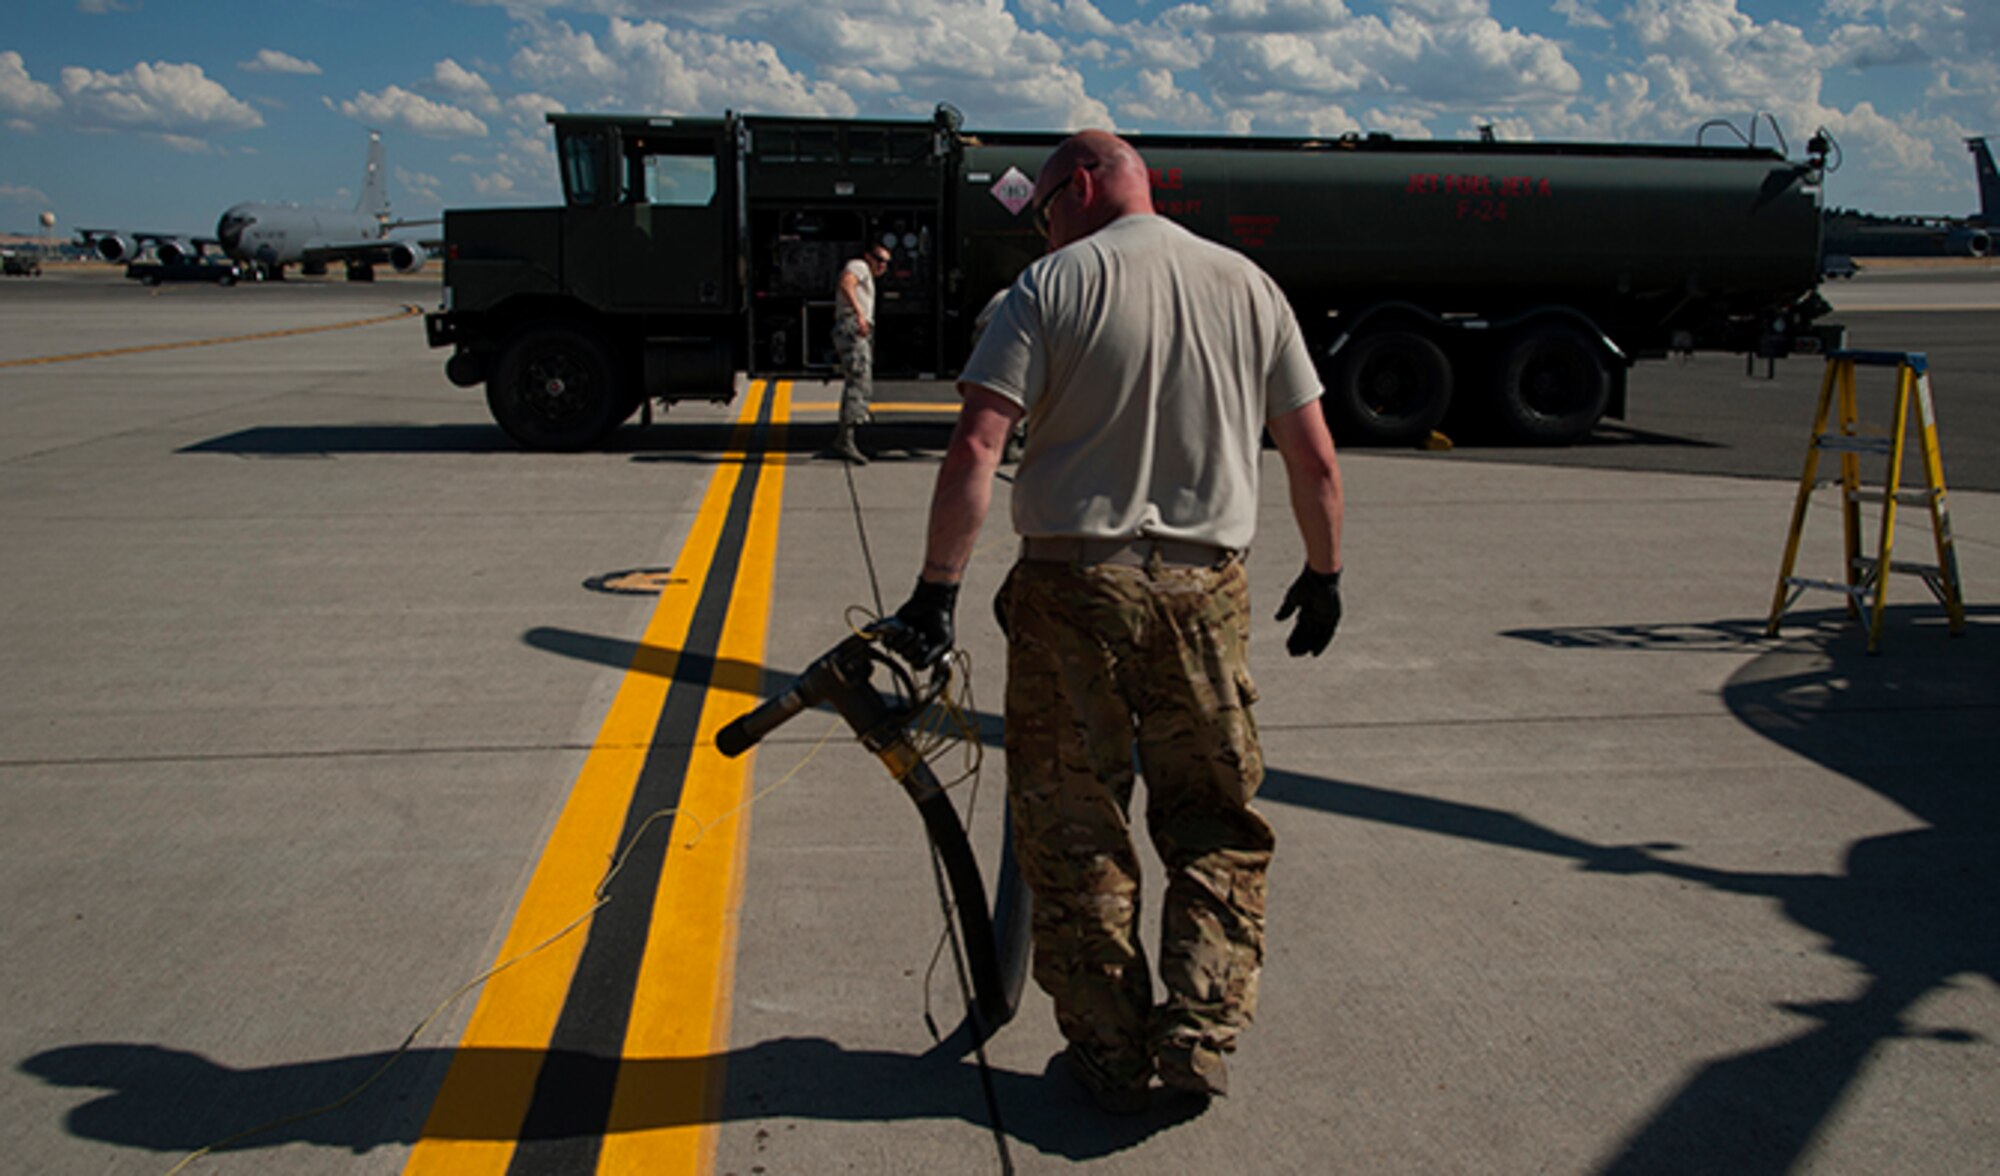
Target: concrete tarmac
{"type": "Point", "coordinates": [1578, 872]}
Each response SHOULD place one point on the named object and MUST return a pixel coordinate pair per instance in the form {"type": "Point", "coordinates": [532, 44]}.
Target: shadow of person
{"type": "Point", "coordinates": [1913, 909]}
{"type": "Point", "coordinates": [168, 1100]}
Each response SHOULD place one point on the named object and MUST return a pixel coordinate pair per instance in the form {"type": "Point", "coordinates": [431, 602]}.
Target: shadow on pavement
{"type": "Point", "coordinates": [169, 1100]}
{"type": "Point", "coordinates": [1913, 910]}
{"type": "Point", "coordinates": [888, 439]}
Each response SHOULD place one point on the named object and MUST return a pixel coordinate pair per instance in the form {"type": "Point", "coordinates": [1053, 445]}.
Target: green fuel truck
{"type": "Point", "coordinates": [1509, 283]}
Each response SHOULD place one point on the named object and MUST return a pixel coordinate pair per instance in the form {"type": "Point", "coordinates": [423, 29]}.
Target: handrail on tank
{"type": "Point", "coordinates": [1701, 133]}
{"type": "Point", "coordinates": [1749, 140]}
{"type": "Point", "coordinates": [1784, 148]}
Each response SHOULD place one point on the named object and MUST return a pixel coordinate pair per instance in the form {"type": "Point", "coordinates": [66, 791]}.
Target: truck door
{"type": "Point", "coordinates": [656, 235]}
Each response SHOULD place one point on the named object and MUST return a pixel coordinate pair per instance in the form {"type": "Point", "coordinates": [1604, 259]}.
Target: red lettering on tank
{"type": "Point", "coordinates": [1484, 209]}
{"type": "Point", "coordinates": [1168, 179]}
{"type": "Point", "coordinates": [1252, 231]}
{"type": "Point", "coordinates": [1480, 198]}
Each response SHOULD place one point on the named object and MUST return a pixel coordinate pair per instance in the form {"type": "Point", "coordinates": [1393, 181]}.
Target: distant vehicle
{"type": "Point", "coordinates": [1510, 284]}
{"type": "Point", "coordinates": [152, 273]}
{"type": "Point", "coordinates": [1838, 265]}
{"type": "Point", "coordinates": [268, 237]}
{"type": "Point", "coordinates": [20, 265]}
{"type": "Point", "coordinates": [1864, 234]}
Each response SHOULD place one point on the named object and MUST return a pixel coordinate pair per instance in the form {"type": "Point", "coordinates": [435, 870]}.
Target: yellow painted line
{"type": "Point", "coordinates": [485, 1096]}
{"type": "Point", "coordinates": [672, 1067]}
{"type": "Point", "coordinates": [880, 406]}
{"type": "Point", "coordinates": [408, 310]}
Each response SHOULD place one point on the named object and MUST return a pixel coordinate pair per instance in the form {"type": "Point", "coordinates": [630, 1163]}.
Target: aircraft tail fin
{"type": "Point", "coordinates": [374, 182]}
{"type": "Point", "coordinates": [1989, 181]}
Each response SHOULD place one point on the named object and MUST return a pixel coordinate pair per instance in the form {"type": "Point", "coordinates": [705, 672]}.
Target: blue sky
{"type": "Point", "coordinates": [156, 114]}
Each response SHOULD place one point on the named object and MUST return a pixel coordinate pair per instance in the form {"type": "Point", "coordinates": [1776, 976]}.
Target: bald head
{"type": "Point", "coordinates": [1102, 177]}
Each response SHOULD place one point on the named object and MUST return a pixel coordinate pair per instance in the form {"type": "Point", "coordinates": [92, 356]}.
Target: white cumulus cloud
{"type": "Point", "coordinates": [278, 62]}
{"type": "Point", "coordinates": [395, 106]}
{"type": "Point", "coordinates": [21, 94]}
{"type": "Point", "coordinates": [171, 98]}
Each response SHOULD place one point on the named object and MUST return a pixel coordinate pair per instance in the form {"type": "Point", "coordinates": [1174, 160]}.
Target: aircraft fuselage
{"type": "Point", "coordinates": [273, 235]}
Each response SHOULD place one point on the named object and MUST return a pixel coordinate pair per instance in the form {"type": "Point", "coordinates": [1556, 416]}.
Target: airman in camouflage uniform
{"type": "Point", "coordinates": [1147, 364]}
{"type": "Point", "coordinates": [854, 344]}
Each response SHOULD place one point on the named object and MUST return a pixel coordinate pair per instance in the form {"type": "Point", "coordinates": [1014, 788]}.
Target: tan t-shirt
{"type": "Point", "coordinates": [1148, 360]}
{"type": "Point", "coordinates": [864, 293]}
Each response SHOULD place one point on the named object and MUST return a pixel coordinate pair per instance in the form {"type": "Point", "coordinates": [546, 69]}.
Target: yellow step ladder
{"type": "Point", "coordinates": [1866, 575]}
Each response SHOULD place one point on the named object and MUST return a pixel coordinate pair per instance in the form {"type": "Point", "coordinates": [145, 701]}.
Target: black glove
{"type": "Point", "coordinates": [920, 632]}
{"type": "Point", "coordinates": [1315, 596]}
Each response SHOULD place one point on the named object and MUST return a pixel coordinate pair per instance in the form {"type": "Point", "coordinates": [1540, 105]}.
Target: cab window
{"type": "Point", "coordinates": [684, 180]}
{"type": "Point", "coordinates": [583, 158]}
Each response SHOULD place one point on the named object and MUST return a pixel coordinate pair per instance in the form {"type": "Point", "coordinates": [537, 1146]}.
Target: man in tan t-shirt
{"type": "Point", "coordinates": [1147, 363]}
{"type": "Point", "coordinates": [854, 343]}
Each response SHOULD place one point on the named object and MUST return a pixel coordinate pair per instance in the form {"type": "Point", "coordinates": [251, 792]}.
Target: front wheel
{"type": "Point", "coordinates": [1389, 387]}
{"type": "Point", "coordinates": [556, 388]}
{"type": "Point", "coordinates": [1553, 386]}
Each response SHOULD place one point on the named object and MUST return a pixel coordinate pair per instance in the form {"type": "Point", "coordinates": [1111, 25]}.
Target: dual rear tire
{"type": "Point", "coordinates": [1394, 385]}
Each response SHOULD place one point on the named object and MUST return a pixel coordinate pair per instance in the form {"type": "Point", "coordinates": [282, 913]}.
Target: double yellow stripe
{"type": "Point", "coordinates": [670, 1079]}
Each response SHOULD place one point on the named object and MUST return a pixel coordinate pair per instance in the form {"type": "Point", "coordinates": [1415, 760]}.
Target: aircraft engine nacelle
{"type": "Point", "coordinates": [406, 256]}
{"type": "Point", "coordinates": [116, 247]}
{"type": "Point", "coordinates": [173, 251]}
{"type": "Point", "coordinates": [1968, 242]}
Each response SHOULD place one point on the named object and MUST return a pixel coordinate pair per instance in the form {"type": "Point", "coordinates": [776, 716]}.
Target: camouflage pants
{"type": "Point", "coordinates": [1103, 660]}
{"type": "Point", "coordinates": [857, 370]}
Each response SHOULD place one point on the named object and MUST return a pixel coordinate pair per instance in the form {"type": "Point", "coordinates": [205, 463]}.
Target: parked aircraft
{"type": "Point", "coordinates": [265, 238]}
{"type": "Point", "coordinates": [1859, 234]}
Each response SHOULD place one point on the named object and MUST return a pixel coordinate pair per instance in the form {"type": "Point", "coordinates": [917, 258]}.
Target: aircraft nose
{"type": "Point", "coordinates": [229, 230]}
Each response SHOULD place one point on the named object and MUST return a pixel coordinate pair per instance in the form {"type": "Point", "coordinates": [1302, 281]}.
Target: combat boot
{"type": "Point", "coordinates": [844, 448]}
{"type": "Point", "coordinates": [1112, 1097]}
{"type": "Point", "coordinates": [1194, 1069]}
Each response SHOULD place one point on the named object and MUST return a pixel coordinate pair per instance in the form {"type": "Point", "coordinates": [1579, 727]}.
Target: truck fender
{"type": "Point", "coordinates": [1573, 317]}
{"type": "Point", "coordinates": [1380, 310]}
{"type": "Point", "coordinates": [1482, 325]}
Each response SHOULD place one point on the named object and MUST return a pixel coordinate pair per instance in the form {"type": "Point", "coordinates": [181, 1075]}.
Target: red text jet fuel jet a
{"type": "Point", "coordinates": [262, 239]}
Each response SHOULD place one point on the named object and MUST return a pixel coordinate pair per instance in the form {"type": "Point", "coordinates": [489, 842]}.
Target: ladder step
{"type": "Point", "coordinates": [1836, 443]}
{"type": "Point", "coordinates": [1871, 497]}
{"type": "Point", "coordinates": [1854, 590]}
{"type": "Point", "coordinates": [1866, 566]}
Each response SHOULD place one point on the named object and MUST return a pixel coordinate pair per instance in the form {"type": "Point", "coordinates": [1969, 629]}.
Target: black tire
{"type": "Point", "coordinates": [556, 388]}
{"type": "Point", "coordinates": [1554, 386]}
{"type": "Point", "coordinates": [1389, 387]}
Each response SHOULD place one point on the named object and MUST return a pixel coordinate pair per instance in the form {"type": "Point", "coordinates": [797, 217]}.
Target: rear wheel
{"type": "Point", "coordinates": [556, 388]}
{"type": "Point", "coordinates": [1389, 387]}
{"type": "Point", "coordinates": [1553, 386]}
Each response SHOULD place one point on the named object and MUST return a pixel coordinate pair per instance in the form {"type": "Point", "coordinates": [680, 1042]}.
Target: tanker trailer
{"type": "Point", "coordinates": [1509, 284]}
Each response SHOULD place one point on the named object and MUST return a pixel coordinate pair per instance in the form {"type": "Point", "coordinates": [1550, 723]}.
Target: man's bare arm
{"type": "Point", "coordinates": [965, 482]}
{"type": "Point", "coordinates": [1314, 473]}
{"type": "Point", "coordinates": [849, 287]}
